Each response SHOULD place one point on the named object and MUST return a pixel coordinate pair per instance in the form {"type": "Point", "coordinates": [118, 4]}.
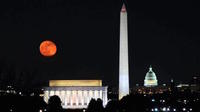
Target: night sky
{"type": "Point", "coordinates": [164, 34]}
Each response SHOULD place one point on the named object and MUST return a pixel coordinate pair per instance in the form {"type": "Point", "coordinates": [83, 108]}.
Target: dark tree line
{"type": "Point", "coordinates": [129, 103]}
{"type": "Point", "coordinates": [95, 106]}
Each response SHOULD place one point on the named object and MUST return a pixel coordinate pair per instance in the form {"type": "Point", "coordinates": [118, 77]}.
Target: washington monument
{"type": "Point", "coordinates": [123, 55]}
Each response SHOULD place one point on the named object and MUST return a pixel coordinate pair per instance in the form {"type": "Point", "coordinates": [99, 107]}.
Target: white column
{"type": "Point", "coordinates": [101, 94]}
{"type": "Point", "coordinates": [65, 97]}
{"type": "Point", "coordinates": [82, 97]}
{"type": "Point", "coordinates": [62, 95]}
{"type": "Point", "coordinates": [77, 98]}
{"type": "Point", "coordinates": [57, 93]}
{"type": "Point", "coordinates": [54, 92]}
{"type": "Point", "coordinates": [68, 97]}
{"type": "Point", "coordinates": [71, 95]}
{"type": "Point", "coordinates": [90, 95]}
{"type": "Point", "coordinates": [85, 96]}
{"type": "Point", "coordinates": [51, 93]}
{"type": "Point", "coordinates": [46, 96]}
{"type": "Point", "coordinates": [106, 97]}
{"type": "Point", "coordinates": [96, 94]}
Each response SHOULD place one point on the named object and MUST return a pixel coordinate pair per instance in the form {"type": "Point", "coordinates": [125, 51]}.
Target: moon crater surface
{"type": "Point", "coordinates": [48, 48]}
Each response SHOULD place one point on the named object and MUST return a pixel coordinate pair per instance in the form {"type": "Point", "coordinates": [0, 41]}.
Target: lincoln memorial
{"type": "Point", "coordinates": [76, 93]}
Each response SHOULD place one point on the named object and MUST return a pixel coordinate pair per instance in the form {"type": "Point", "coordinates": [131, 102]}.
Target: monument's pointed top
{"type": "Point", "coordinates": [123, 8]}
{"type": "Point", "coordinates": [150, 68]}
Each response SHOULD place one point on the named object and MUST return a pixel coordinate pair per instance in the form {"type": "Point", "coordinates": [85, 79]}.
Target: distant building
{"type": "Point", "coordinates": [150, 85]}
{"type": "Point", "coordinates": [195, 84]}
{"type": "Point", "coordinates": [192, 86]}
{"type": "Point", "coordinates": [76, 93]}
{"type": "Point", "coordinates": [150, 90]}
{"type": "Point", "coordinates": [150, 78]}
{"type": "Point", "coordinates": [8, 90]}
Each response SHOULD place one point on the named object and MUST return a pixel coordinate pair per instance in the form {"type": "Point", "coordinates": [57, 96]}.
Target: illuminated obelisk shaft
{"type": "Point", "coordinates": [123, 55]}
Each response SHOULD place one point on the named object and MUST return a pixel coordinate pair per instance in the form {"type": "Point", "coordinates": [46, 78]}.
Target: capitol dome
{"type": "Point", "coordinates": [150, 78]}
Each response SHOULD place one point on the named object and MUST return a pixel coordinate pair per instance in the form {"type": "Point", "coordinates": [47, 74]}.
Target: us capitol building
{"type": "Point", "coordinates": [76, 93]}
{"type": "Point", "coordinates": [150, 78]}
{"type": "Point", "coordinates": [150, 84]}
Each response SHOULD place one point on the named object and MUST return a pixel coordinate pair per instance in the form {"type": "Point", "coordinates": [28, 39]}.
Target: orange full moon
{"type": "Point", "coordinates": [48, 48]}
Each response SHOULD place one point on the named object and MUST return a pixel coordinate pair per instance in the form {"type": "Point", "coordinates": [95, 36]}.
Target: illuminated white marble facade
{"type": "Point", "coordinates": [76, 97]}
{"type": "Point", "coordinates": [123, 55]}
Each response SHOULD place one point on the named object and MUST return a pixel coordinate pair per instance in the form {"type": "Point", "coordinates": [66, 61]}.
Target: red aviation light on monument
{"type": "Point", "coordinates": [123, 8]}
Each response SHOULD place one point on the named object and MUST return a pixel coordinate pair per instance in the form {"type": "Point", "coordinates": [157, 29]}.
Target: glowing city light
{"type": "Point", "coordinates": [156, 109]}
{"type": "Point", "coordinates": [164, 109]}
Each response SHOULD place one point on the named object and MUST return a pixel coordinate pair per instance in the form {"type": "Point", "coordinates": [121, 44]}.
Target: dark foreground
{"type": "Point", "coordinates": [177, 102]}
